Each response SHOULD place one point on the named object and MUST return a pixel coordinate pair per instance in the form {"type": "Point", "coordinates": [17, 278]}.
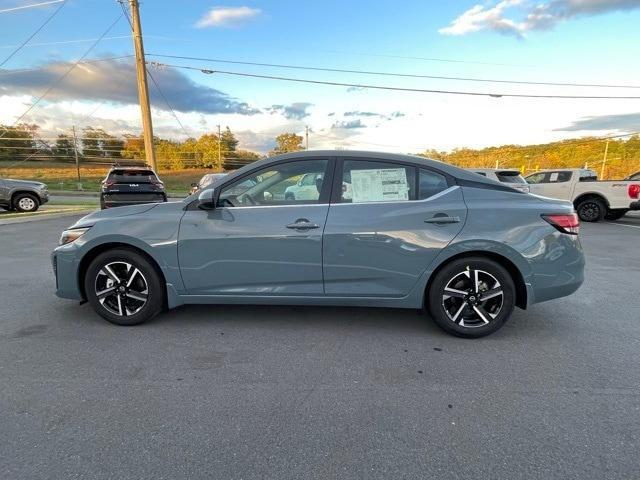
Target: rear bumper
{"type": "Point", "coordinates": [558, 271]}
{"type": "Point", "coordinates": [634, 205]}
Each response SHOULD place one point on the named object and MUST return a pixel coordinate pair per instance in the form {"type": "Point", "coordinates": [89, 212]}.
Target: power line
{"type": "Point", "coordinates": [41, 4]}
{"type": "Point", "coordinates": [37, 69]}
{"type": "Point", "coordinates": [67, 72]}
{"type": "Point", "coordinates": [86, 40]}
{"type": "Point", "coordinates": [399, 89]}
{"type": "Point", "coordinates": [19, 47]}
{"type": "Point", "coordinates": [393, 74]}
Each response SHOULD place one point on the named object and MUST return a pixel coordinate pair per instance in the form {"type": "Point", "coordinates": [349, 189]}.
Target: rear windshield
{"type": "Point", "coordinates": [510, 177]}
{"type": "Point", "coordinates": [133, 176]}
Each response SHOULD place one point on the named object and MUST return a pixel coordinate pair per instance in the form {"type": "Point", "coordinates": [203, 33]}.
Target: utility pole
{"type": "Point", "coordinates": [306, 136]}
{"type": "Point", "coordinates": [219, 148]}
{"type": "Point", "coordinates": [143, 88]}
{"type": "Point", "coordinates": [75, 150]}
{"type": "Point", "coordinates": [604, 160]}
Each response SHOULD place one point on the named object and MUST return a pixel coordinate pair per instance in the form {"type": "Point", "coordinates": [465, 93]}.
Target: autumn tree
{"type": "Point", "coordinates": [64, 148]}
{"type": "Point", "coordinates": [287, 142]}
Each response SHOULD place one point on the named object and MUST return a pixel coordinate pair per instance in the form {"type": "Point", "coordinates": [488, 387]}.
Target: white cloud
{"type": "Point", "coordinates": [227, 16]}
{"type": "Point", "coordinates": [539, 16]}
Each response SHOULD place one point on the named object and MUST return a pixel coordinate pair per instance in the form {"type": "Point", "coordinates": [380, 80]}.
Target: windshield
{"type": "Point", "coordinates": [132, 176]}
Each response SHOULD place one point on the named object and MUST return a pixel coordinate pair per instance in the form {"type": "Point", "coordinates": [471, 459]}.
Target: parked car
{"type": "Point", "coordinates": [131, 186]}
{"type": "Point", "coordinates": [594, 200]}
{"type": "Point", "coordinates": [634, 176]}
{"type": "Point", "coordinates": [207, 179]}
{"type": "Point", "coordinates": [307, 188]}
{"type": "Point", "coordinates": [22, 195]}
{"type": "Point", "coordinates": [512, 177]}
{"type": "Point", "coordinates": [414, 233]}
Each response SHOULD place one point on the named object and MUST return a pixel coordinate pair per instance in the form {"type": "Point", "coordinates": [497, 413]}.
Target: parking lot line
{"type": "Point", "coordinates": [623, 224]}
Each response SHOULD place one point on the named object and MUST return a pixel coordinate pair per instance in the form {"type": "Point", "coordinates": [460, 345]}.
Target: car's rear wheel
{"type": "Point", "coordinates": [616, 213]}
{"type": "Point", "coordinates": [471, 297]}
{"type": "Point", "coordinates": [591, 210]}
{"type": "Point", "coordinates": [123, 287]}
{"type": "Point", "coordinates": [25, 202]}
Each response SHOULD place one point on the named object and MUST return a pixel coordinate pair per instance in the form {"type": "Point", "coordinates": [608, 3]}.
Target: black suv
{"type": "Point", "coordinates": [131, 186]}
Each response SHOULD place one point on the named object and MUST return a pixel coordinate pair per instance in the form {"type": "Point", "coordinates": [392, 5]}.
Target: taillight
{"type": "Point", "coordinates": [565, 223]}
{"type": "Point", "coordinates": [634, 190]}
{"type": "Point", "coordinates": [108, 184]}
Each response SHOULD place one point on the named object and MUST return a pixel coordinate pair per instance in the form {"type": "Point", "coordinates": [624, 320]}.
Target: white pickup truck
{"type": "Point", "coordinates": [593, 200]}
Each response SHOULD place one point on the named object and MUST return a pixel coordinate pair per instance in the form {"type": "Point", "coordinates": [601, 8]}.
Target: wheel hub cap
{"type": "Point", "coordinates": [472, 298]}
{"type": "Point", "coordinates": [121, 288]}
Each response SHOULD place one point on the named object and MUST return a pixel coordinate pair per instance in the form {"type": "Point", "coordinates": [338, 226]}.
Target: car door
{"type": "Point", "coordinates": [551, 184]}
{"type": "Point", "coordinates": [381, 237]}
{"type": "Point", "coordinates": [256, 241]}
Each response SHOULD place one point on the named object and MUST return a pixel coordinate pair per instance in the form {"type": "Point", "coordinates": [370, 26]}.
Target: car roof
{"type": "Point", "coordinates": [131, 167]}
{"type": "Point", "coordinates": [446, 168]}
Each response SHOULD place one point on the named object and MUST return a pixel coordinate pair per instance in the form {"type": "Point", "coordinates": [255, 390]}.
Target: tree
{"type": "Point", "coordinates": [229, 142]}
{"type": "Point", "coordinates": [287, 142]}
{"type": "Point", "coordinates": [19, 141]}
{"type": "Point", "coordinates": [133, 147]}
{"type": "Point", "coordinates": [64, 148]}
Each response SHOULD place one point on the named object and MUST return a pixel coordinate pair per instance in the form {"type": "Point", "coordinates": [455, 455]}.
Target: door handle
{"type": "Point", "coordinates": [302, 224]}
{"type": "Point", "coordinates": [440, 219]}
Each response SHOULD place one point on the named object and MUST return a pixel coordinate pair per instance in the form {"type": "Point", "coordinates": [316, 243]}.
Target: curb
{"type": "Point", "coordinates": [43, 216]}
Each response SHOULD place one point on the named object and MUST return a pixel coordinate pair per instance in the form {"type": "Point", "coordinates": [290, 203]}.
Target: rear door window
{"type": "Point", "coordinates": [366, 181]}
{"type": "Point", "coordinates": [430, 184]}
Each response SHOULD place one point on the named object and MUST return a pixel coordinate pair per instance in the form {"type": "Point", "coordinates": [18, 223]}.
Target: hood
{"type": "Point", "coordinates": [26, 183]}
{"type": "Point", "coordinates": [111, 213]}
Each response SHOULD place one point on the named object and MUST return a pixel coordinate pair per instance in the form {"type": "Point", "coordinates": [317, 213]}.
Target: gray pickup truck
{"type": "Point", "coordinates": [22, 195]}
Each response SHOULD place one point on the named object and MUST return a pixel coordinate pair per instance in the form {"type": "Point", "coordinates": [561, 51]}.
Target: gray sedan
{"type": "Point", "coordinates": [407, 233]}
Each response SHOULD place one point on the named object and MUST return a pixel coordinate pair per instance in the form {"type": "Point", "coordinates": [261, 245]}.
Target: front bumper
{"type": "Point", "coordinates": [65, 269]}
{"type": "Point", "coordinates": [44, 197]}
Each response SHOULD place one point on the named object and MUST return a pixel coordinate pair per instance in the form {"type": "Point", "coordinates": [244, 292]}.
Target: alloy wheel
{"type": "Point", "coordinates": [121, 288]}
{"type": "Point", "coordinates": [472, 298]}
{"type": "Point", "coordinates": [589, 211]}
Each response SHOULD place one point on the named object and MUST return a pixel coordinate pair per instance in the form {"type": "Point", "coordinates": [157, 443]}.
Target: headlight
{"type": "Point", "coordinates": [72, 235]}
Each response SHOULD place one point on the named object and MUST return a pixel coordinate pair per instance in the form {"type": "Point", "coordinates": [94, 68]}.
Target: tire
{"type": "Point", "coordinates": [142, 296]}
{"type": "Point", "coordinates": [458, 314]}
{"type": "Point", "coordinates": [591, 210]}
{"type": "Point", "coordinates": [616, 213]}
{"type": "Point", "coordinates": [25, 202]}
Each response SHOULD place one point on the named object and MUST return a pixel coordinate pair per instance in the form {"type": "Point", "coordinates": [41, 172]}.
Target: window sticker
{"type": "Point", "coordinates": [554, 177]}
{"type": "Point", "coordinates": [379, 185]}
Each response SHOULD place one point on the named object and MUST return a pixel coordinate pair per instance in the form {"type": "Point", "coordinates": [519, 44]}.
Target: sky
{"type": "Point", "coordinates": [558, 41]}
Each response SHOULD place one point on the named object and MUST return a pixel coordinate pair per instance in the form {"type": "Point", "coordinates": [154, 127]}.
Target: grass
{"type": "Point", "coordinates": [44, 211]}
{"type": "Point", "coordinates": [63, 176]}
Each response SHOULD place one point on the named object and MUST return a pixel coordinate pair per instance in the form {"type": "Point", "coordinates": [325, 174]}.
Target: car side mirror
{"type": "Point", "coordinates": [207, 199]}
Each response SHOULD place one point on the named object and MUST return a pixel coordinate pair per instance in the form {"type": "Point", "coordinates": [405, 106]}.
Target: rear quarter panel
{"type": "Point", "coordinates": [510, 225]}
{"type": "Point", "coordinates": [615, 192]}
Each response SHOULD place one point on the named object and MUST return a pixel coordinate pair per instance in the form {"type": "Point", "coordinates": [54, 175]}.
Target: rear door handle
{"type": "Point", "coordinates": [442, 219]}
{"type": "Point", "coordinates": [302, 224]}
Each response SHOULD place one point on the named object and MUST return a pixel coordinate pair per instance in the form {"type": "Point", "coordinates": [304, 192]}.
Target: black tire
{"type": "Point", "coordinates": [591, 210]}
{"type": "Point", "coordinates": [616, 213]}
{"type": "Point", "coordinates": [25, 202]}
{"type": "Point", "coordinates": [456, 315]}
{"type": "Point", "coordinates": [96, 278]}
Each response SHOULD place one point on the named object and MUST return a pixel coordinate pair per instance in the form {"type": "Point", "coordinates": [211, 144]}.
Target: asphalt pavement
{"type": "Point", "coordinates": [250, 392]}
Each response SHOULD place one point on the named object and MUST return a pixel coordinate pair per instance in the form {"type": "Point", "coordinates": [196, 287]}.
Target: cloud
{"type": "Point", "coordinates": [293, 111]}
{"type": "Point", "coordinates": [348, 125]}
{"type": "Point", "coordinates": [624, 122]}
{"type": "Point", "coordinates": [227, 16]}
{"type": "Point", "coordinates": [540, 16]}
{"type": "Point", "coordinates": [114, 81]}
{"type": "Point", "coordinates": [357, 113]}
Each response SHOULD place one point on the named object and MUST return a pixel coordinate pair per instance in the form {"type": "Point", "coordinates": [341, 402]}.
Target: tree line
{"type": "Point", "coordinates": [92, 144]}
{"type": "Point", "coordinates": [96, 145]}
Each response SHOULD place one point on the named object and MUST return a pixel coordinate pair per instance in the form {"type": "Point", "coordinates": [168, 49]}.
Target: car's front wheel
{"type": "Point", "coordinates": [25, 202]}
{"type": "Point", "coordinates": [471, 297]}
{"type": "Point", "coordinates": [123, 287]}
